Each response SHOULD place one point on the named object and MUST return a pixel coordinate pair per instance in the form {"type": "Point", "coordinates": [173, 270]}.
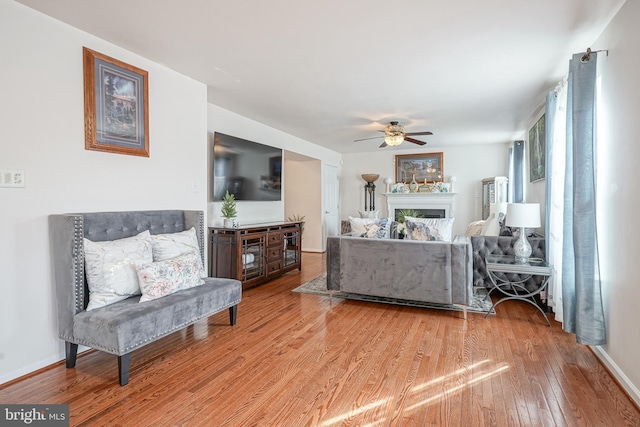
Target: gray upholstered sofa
{"type": "Point", "coordinates": [436, 272]}
{"type": "Point", "coordinates": [126, 325]}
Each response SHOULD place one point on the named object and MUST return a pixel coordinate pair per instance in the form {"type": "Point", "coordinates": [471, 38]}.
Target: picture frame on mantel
{"type": "Point", "coordinates": [537, 149]}
{"type": "Point", "coordinates": [427, 166]}
{"type": "Point", "coordinates": [116, 105]}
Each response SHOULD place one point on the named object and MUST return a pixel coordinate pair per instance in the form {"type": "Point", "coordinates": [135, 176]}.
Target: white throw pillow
{"type": "Point", "coordinates": [110, 268]}
{"type": "Point", "coordinates": [171, 245]}
{"type": "Point", "coordinates": [371, 228]}
{"type": "Point", "coordinates": [440, 229]}
{"type": "Point", "coordinates": [158, 279]}
{"type": "Point", "coordinates": [475, 228]}
{"type": "Point", "coordinates": [369, 214]}
{"type": "Point", "coordinates": [491, 226]}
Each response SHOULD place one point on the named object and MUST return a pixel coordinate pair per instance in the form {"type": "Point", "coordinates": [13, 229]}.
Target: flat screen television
{"type": "Point", "coordinates": [249, 170]}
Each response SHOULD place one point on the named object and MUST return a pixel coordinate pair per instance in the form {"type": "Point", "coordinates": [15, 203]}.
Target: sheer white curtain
{"type": "Point", "coordinates": [555, 194]}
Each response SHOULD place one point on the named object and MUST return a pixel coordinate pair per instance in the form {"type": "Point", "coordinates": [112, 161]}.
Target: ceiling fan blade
{"type": "Point", "coordinates": [415, 141]}
{"type": "Point", "coordinates": [365, 139]}
{"type": "Point", "coordinates": [384, 144]}
{"type": "Point", "coordinates": [419, 133]}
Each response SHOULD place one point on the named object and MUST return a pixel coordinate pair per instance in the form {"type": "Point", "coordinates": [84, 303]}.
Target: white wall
{"type": "Point", "coordinates": [469, 164]}
{"type": "Point", "coordinates": [619, 195]}
{"type": "Point", "coordinates": [42, 117]}
{"type": "Point", "coordinates": [534, 192]}
{"type": "Point", "coordinates": [230, 123]}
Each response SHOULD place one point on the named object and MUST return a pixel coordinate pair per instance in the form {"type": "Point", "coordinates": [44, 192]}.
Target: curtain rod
{"type": "Point", "coordinates": [587, 56]}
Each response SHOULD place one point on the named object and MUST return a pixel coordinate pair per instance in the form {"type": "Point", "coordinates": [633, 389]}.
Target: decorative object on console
{"type": "Point", "coordinates": [523, 215]}
{"type": "Point", "coordinates": [229, 210]}
{"type": "Point", "coordinates": [428, 166]}
{"type": "Point", "coordinates": [400, 187]}
{"type": "Point", "coordinates": [388, 181]}
{"type": "Point", "coordinates": [370, 190]}
{"type": "Point", "coordinates": [453, 180]}
{"type": "Point", "coordinates": [413, 185]}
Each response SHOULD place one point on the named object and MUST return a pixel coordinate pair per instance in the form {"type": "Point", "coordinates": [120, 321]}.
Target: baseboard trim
{"type": "Point", "coordinates": [38, 367]}
{"type": "Point", "coordinates": [623, 381]}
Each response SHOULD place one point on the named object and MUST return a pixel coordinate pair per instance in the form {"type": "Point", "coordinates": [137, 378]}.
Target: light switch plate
{"type": "Point", "coordinates": [12, 178]}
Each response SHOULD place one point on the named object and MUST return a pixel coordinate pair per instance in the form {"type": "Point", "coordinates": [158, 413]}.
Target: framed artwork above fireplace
{"type": "Point", "coordinates": [427, 167]}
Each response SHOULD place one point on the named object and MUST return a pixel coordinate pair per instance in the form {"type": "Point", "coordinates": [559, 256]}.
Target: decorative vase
{"type": "Point", "coordinates": [413, 186]}
{"type": "Point", "coordinates": [230, 223]}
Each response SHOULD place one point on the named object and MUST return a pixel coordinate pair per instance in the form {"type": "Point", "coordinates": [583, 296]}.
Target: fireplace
{"type": "Point", "coordinates": [422, 213]}
{"type": "Point", "coordinates": [429, 205]}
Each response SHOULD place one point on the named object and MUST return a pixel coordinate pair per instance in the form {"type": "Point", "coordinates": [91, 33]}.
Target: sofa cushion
{"type": "Point", "coordinates": [170, 245]}
{"type": "Point", "coordinates": [161, 278]}
{"type": "Point", "coordinates": [122, 327]}
{"type": "Point", "coordinates": [110, 268]}
{"type": "Point", "coordinates": [373, 228]}
{"type": "Point", "coordinates": [438, 229]}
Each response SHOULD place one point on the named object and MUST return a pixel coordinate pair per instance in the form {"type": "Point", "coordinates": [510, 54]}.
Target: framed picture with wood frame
{"type": "Point", "coordinates": [428, 166]}
{"type": "Point", "coordinates": [116, 105]}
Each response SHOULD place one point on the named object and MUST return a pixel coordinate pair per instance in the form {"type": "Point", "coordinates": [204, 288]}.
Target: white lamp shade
{"type": "Point", "coordinates": [523, 215]}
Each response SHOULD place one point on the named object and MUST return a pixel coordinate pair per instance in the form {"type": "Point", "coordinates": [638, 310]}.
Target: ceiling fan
{"type": "Point", "coordinates": [394, 134]}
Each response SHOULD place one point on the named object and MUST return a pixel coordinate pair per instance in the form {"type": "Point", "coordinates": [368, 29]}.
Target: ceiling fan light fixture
{"type": "Point", "coordinates": [393, 129]}
{"type": "Point", "coordinates": [393, 140]}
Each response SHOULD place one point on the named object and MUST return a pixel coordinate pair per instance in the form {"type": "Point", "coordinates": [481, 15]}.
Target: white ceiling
{"type": "Point", "coordinates": [331, 71]}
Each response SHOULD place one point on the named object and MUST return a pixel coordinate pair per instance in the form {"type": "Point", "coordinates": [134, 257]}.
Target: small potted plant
{"type": "Point", "coordinates": [228, 210]}
{"type": "Point", "coordinates": [401, 227]}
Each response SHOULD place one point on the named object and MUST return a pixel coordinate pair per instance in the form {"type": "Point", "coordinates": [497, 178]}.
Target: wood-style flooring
{"type": "Point", "coordinates": [305, 360]}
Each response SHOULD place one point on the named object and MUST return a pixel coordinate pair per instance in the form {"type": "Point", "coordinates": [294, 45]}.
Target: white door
{"type": "Point", "coordinates": [330, 204]}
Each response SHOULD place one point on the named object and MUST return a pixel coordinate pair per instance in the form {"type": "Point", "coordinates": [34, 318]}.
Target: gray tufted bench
{"type": "Point", "coordinates": [501, 245]}
{"type": "Point", "coordinates": [127, 325]}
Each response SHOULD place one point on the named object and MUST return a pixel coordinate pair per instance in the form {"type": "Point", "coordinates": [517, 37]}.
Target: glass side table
{"type": "Point", "coordinates": [516, 290]}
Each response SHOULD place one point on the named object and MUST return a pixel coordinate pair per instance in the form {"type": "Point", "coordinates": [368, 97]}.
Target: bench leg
{"type": "Point", "coordinates": [71, 351]}
{"type": "Point", "coordinates": [124, 363]}
{"type": "Point", "coordinates": [233, 314]}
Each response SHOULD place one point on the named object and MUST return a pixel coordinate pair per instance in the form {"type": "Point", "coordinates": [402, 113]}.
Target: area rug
{"type": "Point", "coordinates": [318, 286]}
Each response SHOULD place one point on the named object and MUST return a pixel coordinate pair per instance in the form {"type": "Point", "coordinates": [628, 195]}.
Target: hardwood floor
{"type": "Point", "coordinates": [305, 360]}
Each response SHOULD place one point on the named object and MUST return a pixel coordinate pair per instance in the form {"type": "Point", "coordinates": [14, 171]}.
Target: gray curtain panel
{"type": "Point", "coordinates": [581, 289]}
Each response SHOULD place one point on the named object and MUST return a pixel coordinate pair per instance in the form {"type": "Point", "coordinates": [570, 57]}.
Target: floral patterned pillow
{"type": "Point", "coordinates": [371, 228]}
{"type": "Point", "coordinates": [159, 279]}
{"type": "Point", "coordinates": [171, 245]}
{"type": "Point", "coordinates": [440, 229]}
{"type": "Point", "coordinates": [110, 268]}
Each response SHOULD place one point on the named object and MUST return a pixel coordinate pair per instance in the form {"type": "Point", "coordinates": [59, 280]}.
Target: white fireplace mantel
{"type": "Point", "coordinates": [398, 201]}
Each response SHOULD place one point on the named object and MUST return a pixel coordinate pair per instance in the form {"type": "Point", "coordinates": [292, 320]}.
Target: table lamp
{"type": "Point", "coordinates": [523, 215]}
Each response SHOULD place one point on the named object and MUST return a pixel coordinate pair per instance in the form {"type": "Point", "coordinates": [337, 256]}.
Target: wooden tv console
{"type": "Point", "coordinates": [255, 253]}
